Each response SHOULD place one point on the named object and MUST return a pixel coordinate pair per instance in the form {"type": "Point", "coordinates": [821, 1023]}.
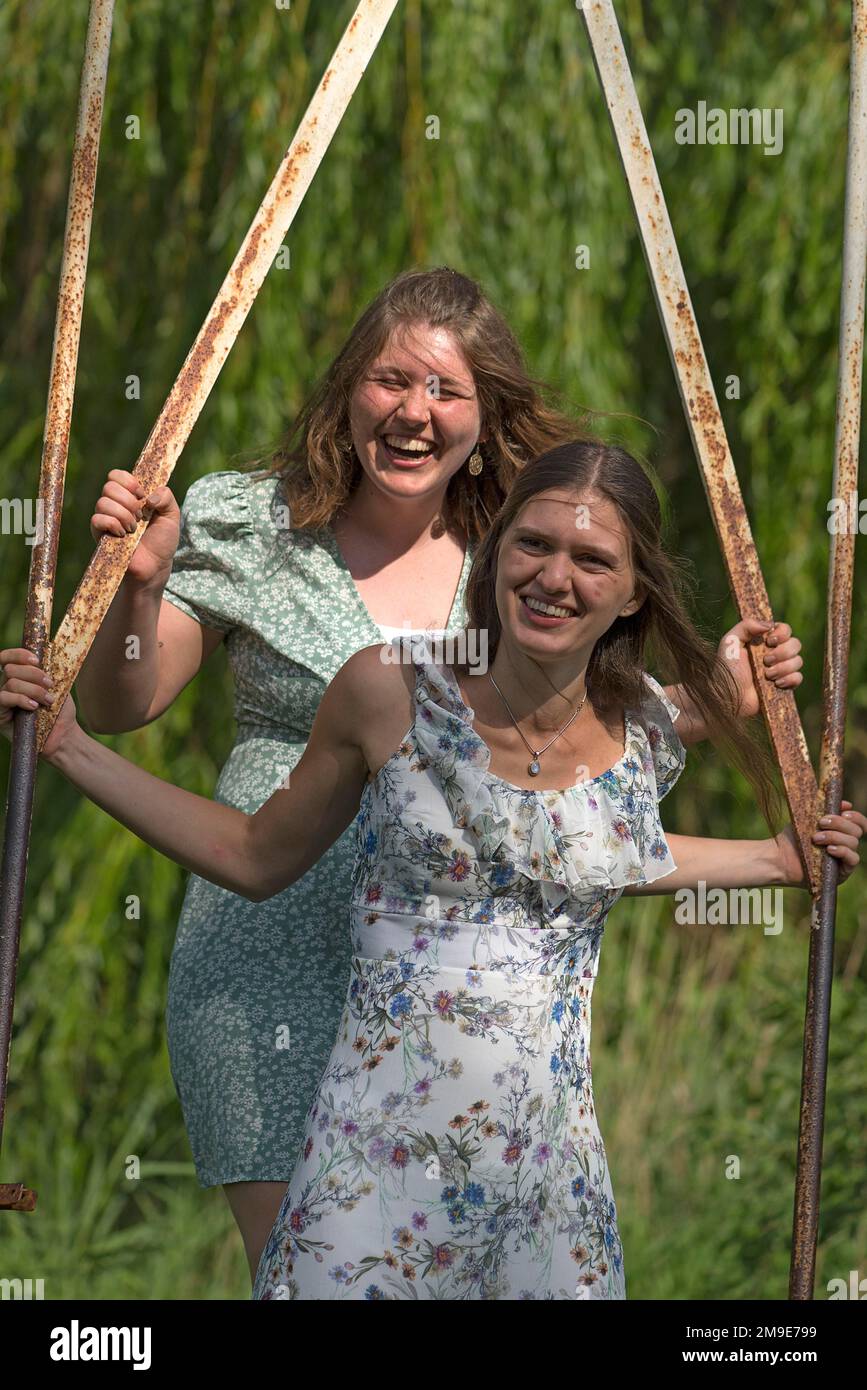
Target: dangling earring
{"type": "Point", "coordinates": [476, 463]}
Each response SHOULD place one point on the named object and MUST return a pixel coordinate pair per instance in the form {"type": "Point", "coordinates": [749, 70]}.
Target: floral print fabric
{"type": "Point", "coordinates": [256, 989]}
{"type": "Point", "coordinates": [451, 1150]}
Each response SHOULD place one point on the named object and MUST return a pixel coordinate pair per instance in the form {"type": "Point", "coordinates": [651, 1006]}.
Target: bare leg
{"type": "Point", "coordinates": [254, 1207]}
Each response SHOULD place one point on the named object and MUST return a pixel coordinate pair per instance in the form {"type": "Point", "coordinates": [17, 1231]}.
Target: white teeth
{"type": "Point", "coordinates": [549, 609]}
{"type": "Point", "coordinates": [413, 446]}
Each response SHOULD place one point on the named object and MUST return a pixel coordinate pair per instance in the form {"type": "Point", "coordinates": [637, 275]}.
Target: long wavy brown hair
{"type": "Point", "coordinates": [661, 635]}
{"type": "Point", "coordinates": [315, 460]}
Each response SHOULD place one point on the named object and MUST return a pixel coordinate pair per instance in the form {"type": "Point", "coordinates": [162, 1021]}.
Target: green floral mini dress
{"type": "Point", "coordinates": [256, 989]}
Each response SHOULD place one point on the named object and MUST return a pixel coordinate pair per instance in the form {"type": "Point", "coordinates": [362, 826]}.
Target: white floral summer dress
{"type": "Point", "coordinates": [451, 1150]}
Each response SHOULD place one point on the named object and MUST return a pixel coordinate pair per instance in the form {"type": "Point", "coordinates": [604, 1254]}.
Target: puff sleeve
{"type": "Point", "coordinates": [667, 752]}
{"type": "Point", "coordinates": [215, 551]}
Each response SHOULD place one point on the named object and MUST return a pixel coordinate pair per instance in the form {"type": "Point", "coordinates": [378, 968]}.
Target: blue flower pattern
{"type": "Point", "coordinates": [451, 1150]}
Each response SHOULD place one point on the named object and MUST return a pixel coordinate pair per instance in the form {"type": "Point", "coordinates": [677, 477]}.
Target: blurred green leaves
{"type": "Point", "coordinates": [524, 170]}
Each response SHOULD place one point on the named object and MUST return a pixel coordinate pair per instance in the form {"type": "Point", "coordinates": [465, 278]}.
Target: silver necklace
{"type": "Point", "coordinates": [533, 768]}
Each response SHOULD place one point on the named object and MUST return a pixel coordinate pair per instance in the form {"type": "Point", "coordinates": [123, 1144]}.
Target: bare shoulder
{"type": "Point", "coordinates": [366, 684]}
{"type": "Point", "coordinates": [375, 698]}
{"type": "Point", "coordinates": [369, 681]}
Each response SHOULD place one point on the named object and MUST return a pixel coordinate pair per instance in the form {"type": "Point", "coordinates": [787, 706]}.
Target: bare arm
{"type": "Point", "coordinates": [719, 864]}
{"type": "Point", "coordinates": [253, 855]}
{"type": "Point", "coordinates": [122, 686]}
{"type": "Point", "coordinates": [760, 863]}
{"type": "Point", "coordinates": [146, 649]}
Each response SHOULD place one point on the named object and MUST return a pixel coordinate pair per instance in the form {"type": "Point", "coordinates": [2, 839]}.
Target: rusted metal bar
{"type": "Point", "coordinates": [702, 411]}
{"type": "Point", "coordinates": [843, 530]}
{"type": "Point", "coordinates": [154, 466]}
{"type": "Point", "coordinates": [40, 592]}
{"type": "Point", "coordinates": [14, 1196]}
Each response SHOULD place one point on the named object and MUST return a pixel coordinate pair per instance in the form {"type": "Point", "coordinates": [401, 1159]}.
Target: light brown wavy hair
{"type": "Point", "coordinates": [315, 460]}
{"type": "Point", "coordinates": [660, 633]}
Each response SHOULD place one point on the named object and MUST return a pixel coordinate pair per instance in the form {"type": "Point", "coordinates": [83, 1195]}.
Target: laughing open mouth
{"type": "Point", "coordinates": [405, 447]}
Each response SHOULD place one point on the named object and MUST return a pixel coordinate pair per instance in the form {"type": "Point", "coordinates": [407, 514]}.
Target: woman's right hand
{"type": "Point", "coordinates": [27, 686]}
{"type": "Point", "coordinates": [119, 510]}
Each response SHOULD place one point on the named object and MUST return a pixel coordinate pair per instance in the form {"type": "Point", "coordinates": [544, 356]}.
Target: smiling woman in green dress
{"type": "Point", "coordinates": [363, 524]}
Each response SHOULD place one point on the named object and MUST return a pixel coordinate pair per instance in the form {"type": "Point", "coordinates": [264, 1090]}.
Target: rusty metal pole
{"type": "Point", "coordinates": [702, 409]}
{"type": "Point", "coordinates": [843, 530]}
{"type": "Point", "coordinates": [720, 480]}
{"type": "Point", "coordinates": [40, 592]}
{"type": "Point", "coordinates": [109, 562]}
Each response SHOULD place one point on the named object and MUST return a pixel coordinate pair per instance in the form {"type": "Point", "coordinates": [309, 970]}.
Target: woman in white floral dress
{"type": "Point", "coordinates": [451, 1150]}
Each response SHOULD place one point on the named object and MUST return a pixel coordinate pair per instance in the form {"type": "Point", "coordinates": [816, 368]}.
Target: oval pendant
{"type": "Point", "coordinates": [534, 768]}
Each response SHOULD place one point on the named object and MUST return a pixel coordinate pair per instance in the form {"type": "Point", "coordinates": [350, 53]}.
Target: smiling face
{"type": "Point", "coordinates": [564, 575]}
{"type": "Point", "coordinates": [409, 440]}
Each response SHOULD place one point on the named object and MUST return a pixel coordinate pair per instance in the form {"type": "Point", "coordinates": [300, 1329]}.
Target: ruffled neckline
{"type": "Point", "coordinates": [569, 842]}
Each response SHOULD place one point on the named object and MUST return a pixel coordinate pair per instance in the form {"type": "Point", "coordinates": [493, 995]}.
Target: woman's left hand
{"type": "Point", "coordinates": [782, 662]}
{"type": "Point", "coordinates": [839, 835]}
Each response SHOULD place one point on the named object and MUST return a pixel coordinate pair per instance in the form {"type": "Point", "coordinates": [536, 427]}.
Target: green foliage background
{"type": "Point", "coordinates": [697, 1032]}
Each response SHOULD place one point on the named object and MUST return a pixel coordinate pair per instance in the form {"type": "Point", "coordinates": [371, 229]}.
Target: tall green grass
{"type": "Point", "coordinates": [697, 1030]}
